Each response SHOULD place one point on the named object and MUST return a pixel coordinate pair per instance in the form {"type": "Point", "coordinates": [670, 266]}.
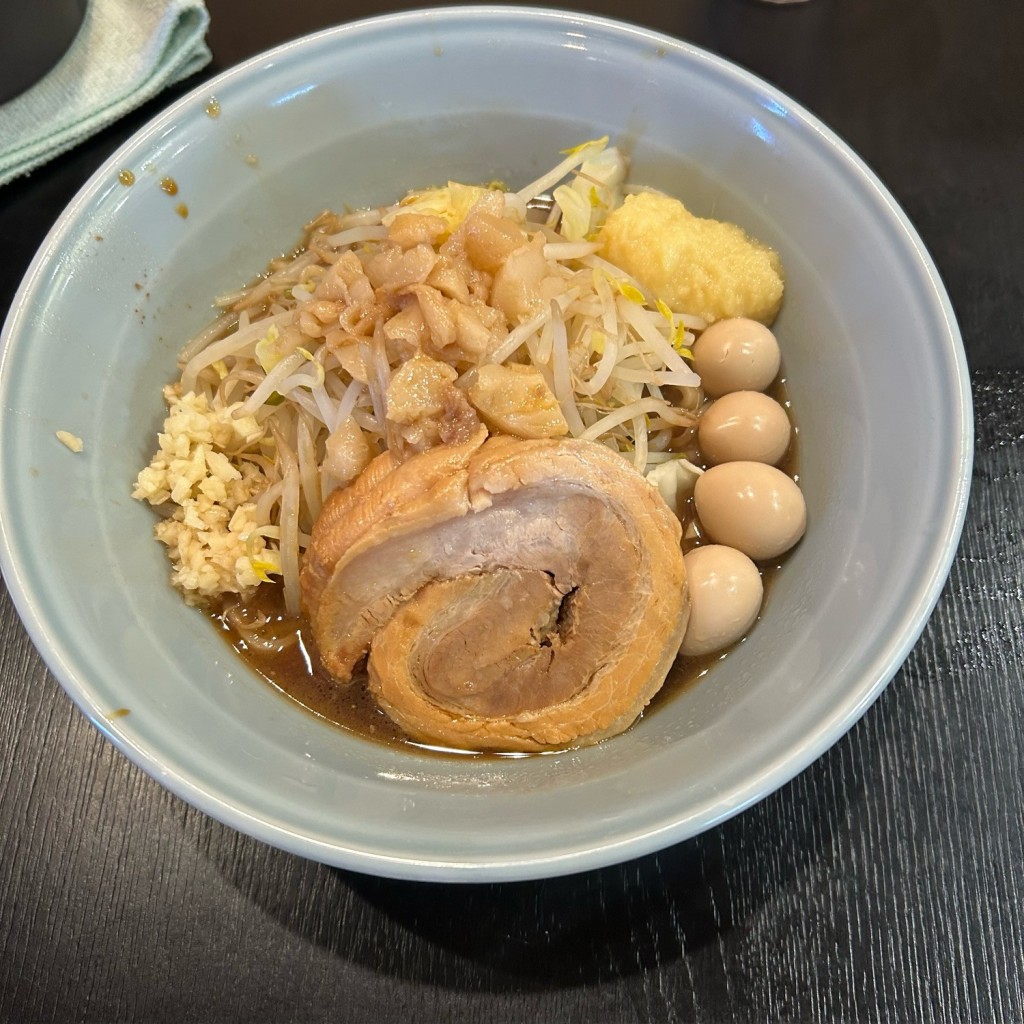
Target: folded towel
{"type": "Point", "coordinates": [124, 54]}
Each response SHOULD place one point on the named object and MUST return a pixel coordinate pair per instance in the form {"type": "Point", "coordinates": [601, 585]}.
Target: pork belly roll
{"type": "Point", "coordinates": [514, 595]}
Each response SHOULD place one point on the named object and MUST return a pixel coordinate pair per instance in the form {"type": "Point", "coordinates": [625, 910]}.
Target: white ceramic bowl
{"type": "Point", "coordinates": [358, 115]}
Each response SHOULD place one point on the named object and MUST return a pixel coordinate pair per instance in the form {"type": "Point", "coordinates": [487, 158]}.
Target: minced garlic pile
{"type": "Point", "coordinates": [212, 533]}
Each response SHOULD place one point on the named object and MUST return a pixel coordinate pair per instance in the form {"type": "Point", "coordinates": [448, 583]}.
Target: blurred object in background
{"type": "Point", "coordinates": [125, 52]}
{"type": "Point", "coordinates": [36, 34]}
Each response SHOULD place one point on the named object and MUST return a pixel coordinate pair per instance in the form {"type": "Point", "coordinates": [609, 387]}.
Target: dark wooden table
{"type": "Point", "coordinates": [886, 883]}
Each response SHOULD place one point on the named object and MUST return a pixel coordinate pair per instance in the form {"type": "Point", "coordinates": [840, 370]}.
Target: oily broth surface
{"type": "Point", "coordinates": [292, 666]}
{"type": "Point", "coordinates": [284, 655]}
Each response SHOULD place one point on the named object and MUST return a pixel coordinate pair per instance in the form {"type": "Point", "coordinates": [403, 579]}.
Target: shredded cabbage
{"type": "Point", "coordinates": [451, 203]}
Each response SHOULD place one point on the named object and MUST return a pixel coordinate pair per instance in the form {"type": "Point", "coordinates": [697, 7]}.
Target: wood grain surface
{"type": "Point", "coordinates": [884, 884]}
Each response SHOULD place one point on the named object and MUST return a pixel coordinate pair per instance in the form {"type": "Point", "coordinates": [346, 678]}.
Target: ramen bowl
{"type": "Point", "coordinates": [358, 115]}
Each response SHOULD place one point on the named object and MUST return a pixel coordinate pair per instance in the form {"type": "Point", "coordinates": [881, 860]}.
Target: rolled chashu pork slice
{"type": "Point", "coordinates": [515, 595]}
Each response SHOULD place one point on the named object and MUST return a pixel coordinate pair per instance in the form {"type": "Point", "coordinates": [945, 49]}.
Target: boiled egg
{"type": "Point", "coordinates": [736, 354]}
{"type": "Point", "coordinates": [744, 426]}
{"type": "Point", "coordinates": [752, 507]}
{"type": "Point", "coordinates": [725, 598]}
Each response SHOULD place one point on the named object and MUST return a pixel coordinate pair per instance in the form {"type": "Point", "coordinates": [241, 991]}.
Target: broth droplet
{"type": "Point", "coordinates": [181, 210]}
{"type": "Point", "coordinates": [126, 177]}
{"type": "Point", "coordinates": [169, 185]}
{"type": "Point", "coordinates": [213, 107]}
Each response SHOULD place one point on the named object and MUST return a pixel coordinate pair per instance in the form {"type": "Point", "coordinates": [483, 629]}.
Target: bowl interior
{"type": "Point", "coordinates": [357, 116]}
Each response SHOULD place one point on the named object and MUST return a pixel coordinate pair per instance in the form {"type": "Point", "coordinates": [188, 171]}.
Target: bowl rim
{"type": "Point", "coordinates": [829, 729]}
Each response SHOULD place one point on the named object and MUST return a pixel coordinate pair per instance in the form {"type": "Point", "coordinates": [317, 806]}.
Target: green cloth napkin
{"type": "Point", "coordinates": [124, 54]}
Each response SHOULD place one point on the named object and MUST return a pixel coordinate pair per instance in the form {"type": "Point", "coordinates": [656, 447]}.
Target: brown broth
{"type": "Point", "coordinates": [293, 666]}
